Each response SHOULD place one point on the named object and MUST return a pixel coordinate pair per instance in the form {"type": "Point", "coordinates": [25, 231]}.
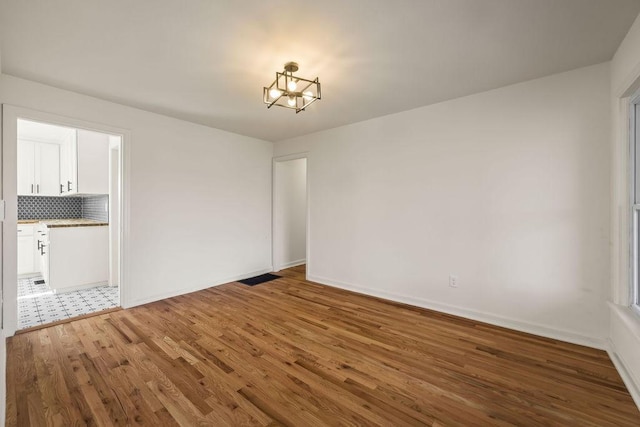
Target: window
{"type": "Point", "coordinates": [634, 130]}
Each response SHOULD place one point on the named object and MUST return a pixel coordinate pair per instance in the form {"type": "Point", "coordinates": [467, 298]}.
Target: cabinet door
{"type": "Point", "coordinates": [26, 168]}
{"type": "Point", "coordinates": [47, 167]}
{"type": "Point", "coordinates": [93, 162]}
{"type": "Point", "coordinates": [25, 254]}
{"type": "Point", "coordinates": [45, 247]}
{"type": "Point", "coordinates": [44, 263]}
{"type": "Point", "coordinates": [68, 165]}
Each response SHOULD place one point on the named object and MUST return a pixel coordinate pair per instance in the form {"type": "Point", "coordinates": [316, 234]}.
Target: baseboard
{"type": "Point", "coordinates": [518, 325]}
{"type": "Point", "coordinates": [158, 297]}
{"type": "Point", "coordinates": [291, 264]}
{"type": "Point", "coordinates": [621, 367]}
{"type": "Point", "coordinates": [79, 288]}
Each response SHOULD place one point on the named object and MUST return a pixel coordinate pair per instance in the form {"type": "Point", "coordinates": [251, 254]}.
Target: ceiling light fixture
{"type": "Point", "coordinates": [291, 91]}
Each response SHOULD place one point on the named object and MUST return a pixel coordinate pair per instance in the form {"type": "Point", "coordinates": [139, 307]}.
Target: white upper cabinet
{"type": "Point", "coordinates": [47, 169]}
{"type": "Point", "coordinates": [86, 164]}
{"type": "Point", "coordinates": [38, 168]}
{"type": "Point", "coordinates": [26, 168]}
{"type": "Point", "coordinates": [56, 160]}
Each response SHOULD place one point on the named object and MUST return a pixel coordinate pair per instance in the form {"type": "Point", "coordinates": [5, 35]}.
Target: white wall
{"type": "Point", "coordinates": [625, 325]}
{"type": "Point", "coordinates": [290, 213]}
{"type": "Point", "coordinates": [508, 189]}
{"type": "Point", "coordinates": [200, 198]}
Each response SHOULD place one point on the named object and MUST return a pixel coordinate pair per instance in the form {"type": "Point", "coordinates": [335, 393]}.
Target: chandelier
{"type": "Point", "coordinates": [291, 91]}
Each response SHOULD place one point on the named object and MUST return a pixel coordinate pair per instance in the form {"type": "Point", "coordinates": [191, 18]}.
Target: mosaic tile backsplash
{"type": "Point", "coordinates": [39, 207]}
{"type": "Point", "coordinates": [93, 207]}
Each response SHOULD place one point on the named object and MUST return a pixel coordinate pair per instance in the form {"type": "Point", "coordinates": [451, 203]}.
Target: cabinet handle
{"type": "Point", "coordinates": [39, 241]}
{"type": "Point", "coordinates": [38, 188]}
{"type": "Point", "coordinates": [61, 188]}
{"type": "Point", "coordinates": [31, 188]}
{"type": "Point", "coordinates": [68, 185]}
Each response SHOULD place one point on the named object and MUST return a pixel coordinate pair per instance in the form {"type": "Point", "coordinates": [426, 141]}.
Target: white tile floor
{"type": "Point", "coordinates": [38, 305]}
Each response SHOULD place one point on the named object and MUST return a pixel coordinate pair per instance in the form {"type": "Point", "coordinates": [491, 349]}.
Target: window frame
{"type": "Point", "coordinates": [634, 175]}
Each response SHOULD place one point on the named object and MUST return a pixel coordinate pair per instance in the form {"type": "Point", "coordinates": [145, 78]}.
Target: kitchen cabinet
{"type": "Point", "coordinates": [28, 254]}
{"type": "Point", "coordinates": [38, 168]}
{"type": "Point", "coordinates": [42, 237]}
{"type": "Point", "coordinates": [85, 164]}
{"type": "Point", "coordinates": [75, 257]}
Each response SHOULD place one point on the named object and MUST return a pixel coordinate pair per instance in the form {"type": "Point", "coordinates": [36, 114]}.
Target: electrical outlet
{"type": "Point", "coordinates": [453, 281]}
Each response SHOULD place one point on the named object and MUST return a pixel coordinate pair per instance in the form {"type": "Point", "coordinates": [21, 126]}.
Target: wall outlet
{"type": "Point", "coordinates": [453, 281]}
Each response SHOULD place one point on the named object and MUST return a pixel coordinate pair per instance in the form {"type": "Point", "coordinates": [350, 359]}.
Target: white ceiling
{"type": "Point", "coordinates": [206, 60]}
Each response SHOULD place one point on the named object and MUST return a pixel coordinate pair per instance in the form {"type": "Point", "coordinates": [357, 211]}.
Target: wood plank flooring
{"type": "Point", "coordinates": [295, 353]}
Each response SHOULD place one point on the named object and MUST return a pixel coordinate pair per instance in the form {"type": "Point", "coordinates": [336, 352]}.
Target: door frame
{"type": "Point", "coordinates": [280, 159]}
{"type": "Point", "coordinates": [10, 115]}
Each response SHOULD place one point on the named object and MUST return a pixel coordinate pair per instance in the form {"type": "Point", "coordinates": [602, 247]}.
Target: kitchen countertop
{"type": "Point", "coordinates": [73, 222]}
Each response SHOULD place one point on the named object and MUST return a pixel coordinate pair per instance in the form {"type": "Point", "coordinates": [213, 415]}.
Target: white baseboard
{"type": "Point", "coordinates": [290, 264]}
{"type": "Point", "coordinates": [79, 288]}
{"type": "Point", "coordinates": [618, 362]}
{"type": "Point", "coordinates": [518, 325]}
{"type": "Point", "coordinates": [164, 295]}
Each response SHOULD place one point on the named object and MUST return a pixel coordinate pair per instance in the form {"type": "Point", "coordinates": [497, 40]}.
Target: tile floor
{"type": "Point", "coordinates": [38, 305]}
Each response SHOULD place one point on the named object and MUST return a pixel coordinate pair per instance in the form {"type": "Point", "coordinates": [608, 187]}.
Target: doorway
{"type": "Point", "coordinates": [62, 185]}
{"type": "Point", "coordinates": [290, 212]}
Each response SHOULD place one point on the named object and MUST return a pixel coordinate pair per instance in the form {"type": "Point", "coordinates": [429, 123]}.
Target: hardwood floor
{"type": "Point", "coordinates": [291, 352]}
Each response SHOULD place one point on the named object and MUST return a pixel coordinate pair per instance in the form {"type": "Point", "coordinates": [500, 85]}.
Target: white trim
{"type": "Point", "coordinates": [629, 84]}
{"type": "Point", "coordinates": [80, 287]}
{"type": "Point", "coordinates": [295, 156]}
{"type": "Point", "coordinates": [506, 322]}
{"type": "Point", "coordinates": [196, 288]}
{"type": "Point", "coordinates": [10, 114]}
{"type": "Point", "coordinates": [632, 114]}
{"type": "Point", "coordinates": [290, 264]}
{"type": "Point", "coordinates": [621, 367]}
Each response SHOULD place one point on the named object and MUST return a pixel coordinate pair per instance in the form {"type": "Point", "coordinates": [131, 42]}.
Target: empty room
{"type": "Point", "coordinates": [320, 213]}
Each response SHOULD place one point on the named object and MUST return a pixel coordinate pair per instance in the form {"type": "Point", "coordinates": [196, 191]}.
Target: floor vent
{"type": "Point", "coordinates": [252, 281]}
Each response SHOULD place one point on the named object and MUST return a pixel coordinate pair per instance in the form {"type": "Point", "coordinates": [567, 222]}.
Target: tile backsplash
{"type": "Point", "coordinates": [96, 207]}
{"type": "Point", "coordinates": [39, 207]}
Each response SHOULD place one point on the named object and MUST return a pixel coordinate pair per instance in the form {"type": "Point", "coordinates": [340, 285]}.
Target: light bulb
{"type": "Point", "coordinates": [292, 101]}
{"type": "Point", "coordinates": [292, 85]}
{"type": "Point", "coordinates": [274, 93]}
{"type": "Point", "coordinates": [307, 95]}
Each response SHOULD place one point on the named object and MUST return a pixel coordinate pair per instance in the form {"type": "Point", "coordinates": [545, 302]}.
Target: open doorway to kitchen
{"type": "Point", "coordinates": [64, 181]}
{"type": "Point", "coordinates": [290, 213]}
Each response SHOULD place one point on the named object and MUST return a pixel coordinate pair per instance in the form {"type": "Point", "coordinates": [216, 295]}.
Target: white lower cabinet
{"type": "Point", "coordinates": [28, 254]}
{"type": "Point", "coordinates": [76, 257]}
